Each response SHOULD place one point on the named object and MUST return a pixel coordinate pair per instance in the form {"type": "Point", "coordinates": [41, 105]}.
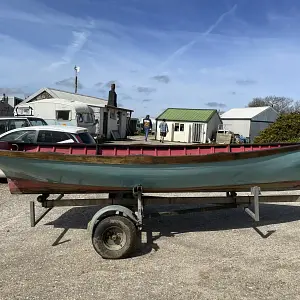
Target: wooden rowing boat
{"type": "Point", "coordinates": [45, 172]}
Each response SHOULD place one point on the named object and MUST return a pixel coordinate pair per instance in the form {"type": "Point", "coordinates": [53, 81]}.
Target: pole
{"type": "Point", "coordinates": [76, 79]}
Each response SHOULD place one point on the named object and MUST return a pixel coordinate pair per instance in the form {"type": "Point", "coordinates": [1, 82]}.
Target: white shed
{"type": "Point", "coordinates": [112, 121]}
{"type": "Point", "coordinates": [249, 121]}
{"type": "Point", "coordinates": [189, 125]}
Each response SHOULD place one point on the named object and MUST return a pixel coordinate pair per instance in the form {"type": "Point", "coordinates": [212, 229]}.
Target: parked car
{"type": "Point", "coordinates": [47, 135]}
{"type": "Point", "coordinates": [10, 123]}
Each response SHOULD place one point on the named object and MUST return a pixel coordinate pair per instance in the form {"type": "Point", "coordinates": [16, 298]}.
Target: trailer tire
{"type": "Point", "coordinates": [114, 237]}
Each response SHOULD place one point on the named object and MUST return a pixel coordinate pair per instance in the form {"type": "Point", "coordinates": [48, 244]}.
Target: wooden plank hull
{"type": "Point", "coordinates": [59, 173]}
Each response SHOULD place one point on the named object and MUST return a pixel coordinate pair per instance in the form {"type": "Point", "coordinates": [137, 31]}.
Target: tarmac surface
{"type": "Point", "coordinates": [208, 255]}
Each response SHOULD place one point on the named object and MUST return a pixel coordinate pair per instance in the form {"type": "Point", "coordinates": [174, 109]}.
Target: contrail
{"type": "Point", "coordinates": [186, 47]}
{"type": "Point", "coordinates": [79, 39]}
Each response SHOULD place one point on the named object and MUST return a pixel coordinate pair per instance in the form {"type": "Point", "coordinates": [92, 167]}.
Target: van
{"type": "Point", "coordinates": [56, 111]}
{"type": "Point", "coordinates": [10, 123]}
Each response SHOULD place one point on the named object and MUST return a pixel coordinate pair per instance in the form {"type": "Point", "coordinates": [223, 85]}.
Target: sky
{"type": "Point", "coordinates": [160, 53]}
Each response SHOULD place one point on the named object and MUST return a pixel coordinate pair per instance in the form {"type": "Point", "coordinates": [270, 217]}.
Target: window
{"type": "Point", "coordinates": [113, 115]}
{"type": "Point", "coordinates": [50, 137]}
{"type": "Point", "coordinates": [88, 118]}
{"type": "Point", "coordinates": [25, 136]}
{"type": "Point", "coordinates": [29, 137]}
{"type": "Point", "coordinates": [14, 124]}
{"type": "Point", "coordinates": [85, 118]}
{"type": "Point", "coordinates": [37, 122]}
{"type": "Point", "coordinates": [58, 136]}
{"type": "Point", "coordinates": [3, 126]}
{"type": "Point", "coordinates": [63, 115]}
{"type": "Point", "coordinates": [24, 111]}
{"type": "Point", "coordinates": [79, 118]}
{"type": "Point", "coordinates": [86, 138]}
{"type": "Point", "coordinates": [179, 127]}
{"type": "Point", "coordinates": [44, 137]}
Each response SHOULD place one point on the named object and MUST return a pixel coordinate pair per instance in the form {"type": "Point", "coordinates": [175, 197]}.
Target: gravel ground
{"type": "Point", "coordinates": [210, 255]}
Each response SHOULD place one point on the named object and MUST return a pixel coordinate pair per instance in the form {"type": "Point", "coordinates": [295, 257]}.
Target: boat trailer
{"type": "Point", "coordinates": [116, 228]}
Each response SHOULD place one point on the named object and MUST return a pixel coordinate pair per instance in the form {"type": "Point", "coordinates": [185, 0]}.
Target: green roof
{"type": "Point", "coordinates": [187, 115]}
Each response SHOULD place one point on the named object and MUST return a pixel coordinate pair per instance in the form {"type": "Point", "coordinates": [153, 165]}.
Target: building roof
{"type": "Point", "coordinates": [69, 96]}
{"type": "Point", "coordinates": [76, 104]}
{"type": "Point", "coordinates": [187, 114]}
{"type": "Point", "coordinates": [245, 113]}
{"type": "Point", "coordinates": [89, 100]}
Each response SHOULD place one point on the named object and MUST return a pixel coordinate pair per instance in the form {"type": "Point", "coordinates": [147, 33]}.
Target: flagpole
{"type": "Point", "coordinates": [76, 77]}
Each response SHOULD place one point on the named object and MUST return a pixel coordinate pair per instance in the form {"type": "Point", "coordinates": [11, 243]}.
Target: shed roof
{"type": "Point", "coordinates": [245, 113]}
{"type": "Point", "coordinates": [187, 114]}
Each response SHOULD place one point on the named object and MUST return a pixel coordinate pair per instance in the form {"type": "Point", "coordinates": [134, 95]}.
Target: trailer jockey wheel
{"type": "Point", "coordinates": [114, 237]}
{"type": "Point", "coordinates": [231, 194]}
{"type": "Point", "coordinates": [42, 198]}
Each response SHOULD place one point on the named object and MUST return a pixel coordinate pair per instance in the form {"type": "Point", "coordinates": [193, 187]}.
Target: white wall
{"type": "Point", "coordinates": [262, 121]}
{"type": "Point", "coordinates": [113, 122]}
{"type": "Point", "coordinates": [241, 127]}
{"type": "Point", "coordinates": [256, 127]}
{"type": "Point", "coordinates": [175, 136]}
{"type": "Point", "coordinates": [98, 112]}
{"type": "Point", "coordinates": [212, 126]}
{"type": "Point", "coordinates": [123, 125]}
{"type": "Point", "coordinates": [185, 136]}
{"type": "Point", "coordinates": [268, 115]}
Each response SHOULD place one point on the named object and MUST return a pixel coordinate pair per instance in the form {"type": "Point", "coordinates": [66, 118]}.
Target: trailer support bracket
{"type": "Point", "coordinates": [33, 219]}
{"type": "Point", "coordinates": [255, 191]}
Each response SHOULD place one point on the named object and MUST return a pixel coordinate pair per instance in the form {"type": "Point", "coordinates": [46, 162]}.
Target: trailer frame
{"type": "Point", "coordinates": [125, 212]}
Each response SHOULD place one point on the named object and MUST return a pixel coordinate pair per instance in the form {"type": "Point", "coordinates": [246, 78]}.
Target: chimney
{"type": "Point", "coordinates": [112, 96]}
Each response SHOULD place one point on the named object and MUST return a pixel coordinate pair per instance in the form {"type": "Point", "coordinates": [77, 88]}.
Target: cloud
{"type": "Point", "coordinates": [9, 91]}
{"type": "Point", "coordinates": [246, 82]}
{"type": "Point", "coordinates": [103, 92]}
{"type": "Point", "coordinates": [162, 78]}
{"type": "Point", "coordinates": [215, 104]}
{"type": "Point", "coordinates": [109, 83]}
{"type": "Point", "coordinates": [146, 90]}
{"type": "Point", "coordinates": [225, 51]}
{"type": "Point", "coordinates": [181, 50]}
{"type": "Point", "coordinates": [79, 38]}
{"type": "Point", "coordinates": [125, 96]}
{"type": "Point", "coordinates": [69, 83]}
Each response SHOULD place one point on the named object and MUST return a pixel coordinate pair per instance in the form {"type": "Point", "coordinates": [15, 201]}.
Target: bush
{"type": "Point", "coordinates": [286, 129]}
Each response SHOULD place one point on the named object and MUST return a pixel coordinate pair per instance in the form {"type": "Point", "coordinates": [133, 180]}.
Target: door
{"type": "Point", "coordinates": [197, 132]}
{"type": "Point", "coordinates": [105, 120]}
{"type": "Point", "coordinates": [119, 123]}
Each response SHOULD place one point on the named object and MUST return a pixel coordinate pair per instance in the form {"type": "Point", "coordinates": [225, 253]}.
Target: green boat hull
{"type": "Point", "coordinates": [32, 175]}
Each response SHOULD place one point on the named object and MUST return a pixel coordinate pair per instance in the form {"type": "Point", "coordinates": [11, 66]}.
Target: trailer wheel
{"type": "Point", "coordinates": [114, 237]}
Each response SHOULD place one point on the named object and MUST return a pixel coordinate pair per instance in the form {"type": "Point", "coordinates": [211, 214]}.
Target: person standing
{"type": "Point", "coordinates": [163, 126]}
{"type": "Point", "coordinates": [147, 126]}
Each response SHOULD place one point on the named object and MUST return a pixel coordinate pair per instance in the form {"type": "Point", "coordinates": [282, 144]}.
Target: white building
{"type": "Point", "coordinates": [189, 125]}
{"type": "Point", "coordinates": [112, 121]}
{"type": "Point", "coordinates": [249, 121]}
